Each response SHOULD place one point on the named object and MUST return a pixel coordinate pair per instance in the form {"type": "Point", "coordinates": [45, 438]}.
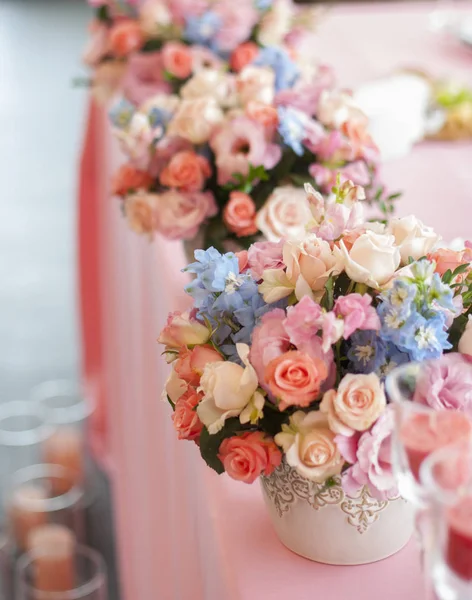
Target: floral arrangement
{"type": "Point", "coordinates": [223, 116]}
{"type": "Point", "coordinates": [285, 350]}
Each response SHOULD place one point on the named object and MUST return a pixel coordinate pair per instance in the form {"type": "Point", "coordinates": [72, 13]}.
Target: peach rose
{"type": "Point", "coordinates": [213, 83]}
{"type": "Point", "coordinates": [447, 260]}
{"type": "Point", "coordinates": [243, 55]}
{"type": "Point", "coordinates": [245, 457]}
{"type": "Point", "coordinates": [263, 113]}
{"type": "Point", "coordinates": [129, 179]}
{"type": "Point", "coordinates": [285, 214]}
{"type": "Point", "coordinates": [196, 120]}
{"type": "Point", "coordinates": [185, 417]}
{"type": "Point", "coordinates": [183, 330]}
{"type": "Point", "coordinates": [182, 213]}
{"type": "Point", "coordinates": [177, 59]}
{"type": "Point", "coordinates": [125, 37]}
{"type": "Point", "coordinates": [355, 405]}
{"type": "Point", "coordinates": [256, 84]}
{"type": "Point", "coordinates": [191, 363]}
{"type": "Point", "coordinates": [310, 446]}
{"type": "Point", "coordinates": [140, 212]}
{"type": "Point", "coordinates": [186, 171]}
{"type": "Point", "coordinates": [239, 214]}
{"type": "Point", "coordinates": [107, 79]}
{"type": "Point", "coordinates": [295, 378]}
{"type": "Point", "coordinates": [174, 387]}
{"type": "Point", "coordinates": [309, 265]}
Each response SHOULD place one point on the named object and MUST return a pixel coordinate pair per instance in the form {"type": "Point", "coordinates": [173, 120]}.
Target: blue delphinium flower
{"type": "Point", "coordinates": [202, 29]}
{"type": "Point", "coordinates": [440, 294]}
{"type": "Point", "coordinates": [292, 128]}
{"type": "Point", "coordinates": [426, 339]}
{"type": "Point", "coordinates": [263, 4]}
{"type": "Point", "coordinates": [286, 71]}
{"type": "Point", "coordinates": [366, 352]}
{"type": "Point", "coordinates": [393, 359]}
{"type": "Point", "coordinates": [158, 117]}
{"type": "Point", "coordinates": [121, 113]}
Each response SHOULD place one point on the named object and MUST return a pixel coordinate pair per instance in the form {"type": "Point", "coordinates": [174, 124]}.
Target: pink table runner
{"type": "Point", "coordinates": [183, 533]}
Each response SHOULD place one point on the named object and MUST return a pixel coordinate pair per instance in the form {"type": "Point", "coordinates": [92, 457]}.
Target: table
{"type": "Point", "coordinates": [184, 533]}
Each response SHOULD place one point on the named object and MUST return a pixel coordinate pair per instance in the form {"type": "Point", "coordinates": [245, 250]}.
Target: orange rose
{"type": "Point", "coordinates": [263, 113]}
{"type": "Point", "coordinates": [177, 60]}
{"type": "Point", "coordinates": [129, 179]}
{"type": "Point", "coordinates": [243, 55]}
{"type": "Point", "coordinates": [295, 378]}
{"type": "Point", "coordinates": [190, 364]}
{"type": "Point", "coordinates": [186, 171]}
{"type": "Point", "coordinates": [125, 37]}
{"type": "Point", "coordinates": [239, 214]}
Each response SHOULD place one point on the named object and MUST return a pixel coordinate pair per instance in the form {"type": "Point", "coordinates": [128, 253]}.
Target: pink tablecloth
{"type": "Point", "coordinates": [183, 533]}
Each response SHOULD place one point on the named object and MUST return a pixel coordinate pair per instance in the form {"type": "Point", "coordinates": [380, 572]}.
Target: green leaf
{"type": "Point", "coordinates": [447, 277]}
{"type": "Point", "coordinates": [152, 45]}
{"type": "Point", "coordinates": [103, 14]}
{"type": "Point", "coordinates": [170, 402]}
{"type": "Point", "coordinates": [210, 444]}
{"type": "Point", "coordinates": [327, 301]}
{"type": "Point", "coordinates": [460, 269]}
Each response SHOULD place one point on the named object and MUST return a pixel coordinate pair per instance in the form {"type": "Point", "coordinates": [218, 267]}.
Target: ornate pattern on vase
{"type": "Point", "coordinates": [285, 487]}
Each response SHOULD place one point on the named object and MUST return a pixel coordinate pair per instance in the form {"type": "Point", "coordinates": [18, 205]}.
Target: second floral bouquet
{"type": "Point", "coordinates": [288, 344]}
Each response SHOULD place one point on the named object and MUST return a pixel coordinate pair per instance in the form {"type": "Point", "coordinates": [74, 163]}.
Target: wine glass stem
{"type": "Point", "coordinates": [425, 533]}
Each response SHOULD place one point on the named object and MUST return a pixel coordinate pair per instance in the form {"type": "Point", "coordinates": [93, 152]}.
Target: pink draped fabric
{"type": "Point", "coordinates": [183, 533]}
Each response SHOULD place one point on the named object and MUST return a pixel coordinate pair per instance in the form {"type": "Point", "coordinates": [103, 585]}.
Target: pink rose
{"type": "Point", "coordinates": [181, 9]}
{"type": "Point", "coordinates": [240, 143]}
{"type": "Point", "coordinates": [186, 171]}
{"type": "Point", "coordinates": [140, 212]}
{"type": "Point", "coordinates": [355, 405]}
{"type": "Point", "coordinates": [285, 214]}
{"type": "Point", "coordinates": [373, 463]}
{"type": "Point", "coordinates": [265, 114]}
{"type": "Point", "coordinates": [237, 21]}
{"type": "Point", "coordinates": [125, 37]}
{"type": "Point", "coordinates": [181, 214]}
{"type": "Point", "coordinates": [305, 95]}
{"type": "Point", "coordinates": [245, 457]}
{"type": "Point", "coordinates": [185, 417]}
{"type": "Point", "coordinates": [357, 313]}
{"type": "Point", "coordinates": [129, 179]}
{"type": "Point", "coordinates": [243, 55]}
{"type": "Point", "coordinates": [177, 59]}
{"type": "Point", "coordinates": [190, 364]}
{"type": "Point", "coordinates": [256, 84]}
{"type": "Point", "coordinates": [265, 255]}
{"type": "Point", "coordinates": [196, 120]}
{"type": "Point", "coordinates": [239, 214]}
{"type": "Point", "coordinates": [144, 77]}
{"type": "Point", "coordinates": [295, 378]}
{"type": "Point", "coordinates": [310, 446]}
{"type": "Point", "coordinates": [269, 340]}
{"type": "Point", "coordinates": [446, 383]}
{"type": "Point", "coordinates": [183, 330]}
{"type": "Point", "coordinates": [242, 257]}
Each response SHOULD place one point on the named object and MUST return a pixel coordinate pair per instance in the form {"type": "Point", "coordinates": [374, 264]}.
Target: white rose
{"type": "Point", "coordinates": [373, 258]}
{"type": "Point", "coordinates": [310, 447]}
{"type": "Point", "coordinates": [154, 17]}
{"type": "Point", "coordinates": [465, 343]}
{"type": "Point", "coordinates": [335, 108]}
{"type": "Point", "coordinates": [412, 237]}
{"type": "Point", "coordinates": [276, 23]}
{"type": "Point", "coordinates": [212, 83]}
{"type": "Point", "coordinates": [285, 214]}
{"type": "Point", "coordinates": [256, 84]}
{"type": "Point", "coordinates": [136, 140]}
{"type": "Point", "coordinates": [309, 264]}
{"type": "Point", "coordinates": [195, 120]}
{"type": "Point", "coordinates": [228, 389]}
{"type": "Point", "coordinates": [174, 388]}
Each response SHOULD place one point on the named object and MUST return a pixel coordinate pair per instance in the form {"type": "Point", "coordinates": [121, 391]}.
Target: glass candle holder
{"type": "Point", "coordinates": [61, 573]}
{"type": "Point", "coordinates": [41, 495]}
{"type": "Point", "coordinates": [68, 410]}
{"type": "Point", "coordinates": [447, 474]}
{"type": "Point", "coordinates": [24, 428]}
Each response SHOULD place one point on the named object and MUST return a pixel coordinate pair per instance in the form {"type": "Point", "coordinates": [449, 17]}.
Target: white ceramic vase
{"type": "Point", "coordinates": [327, 526]}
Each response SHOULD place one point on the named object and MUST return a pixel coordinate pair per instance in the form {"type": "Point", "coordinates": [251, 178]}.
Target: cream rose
{"type": "Point", "coordinates": [167, 102]}
{"type": "Point", "coordinates": [372, 259]}
{"type": "Point", "coordinates": [140, 212]}
{"type": "Point", "coordinates": [195, 120]}
{"type": "Point", "coordinates": [174, 388]}
{"type": "Point", "coordinates": [285, 214]}
{"type": "Point", "coordinates": [256, 84]}
{"type": "Point", "coordinates": [309, 265]}
{"type": "Point", "coordinates": [309, 446]}
{"type": "Point", "coordinates": [412, 237]}
{"type": "Point", "coordinates": [154, 18]}
{"type": "Point", "coordinates": [227, 390]}
{"type": "Point", "coordinates": [355, 405]}
{"type": "Point", "coordinates": [465, 343]}
{"type": "Point", "coordinates": [276, 23]}
{"type": "Point", "coordinates": [335, 108]}
{"type": "Point", "coordinates": [211, 83]}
